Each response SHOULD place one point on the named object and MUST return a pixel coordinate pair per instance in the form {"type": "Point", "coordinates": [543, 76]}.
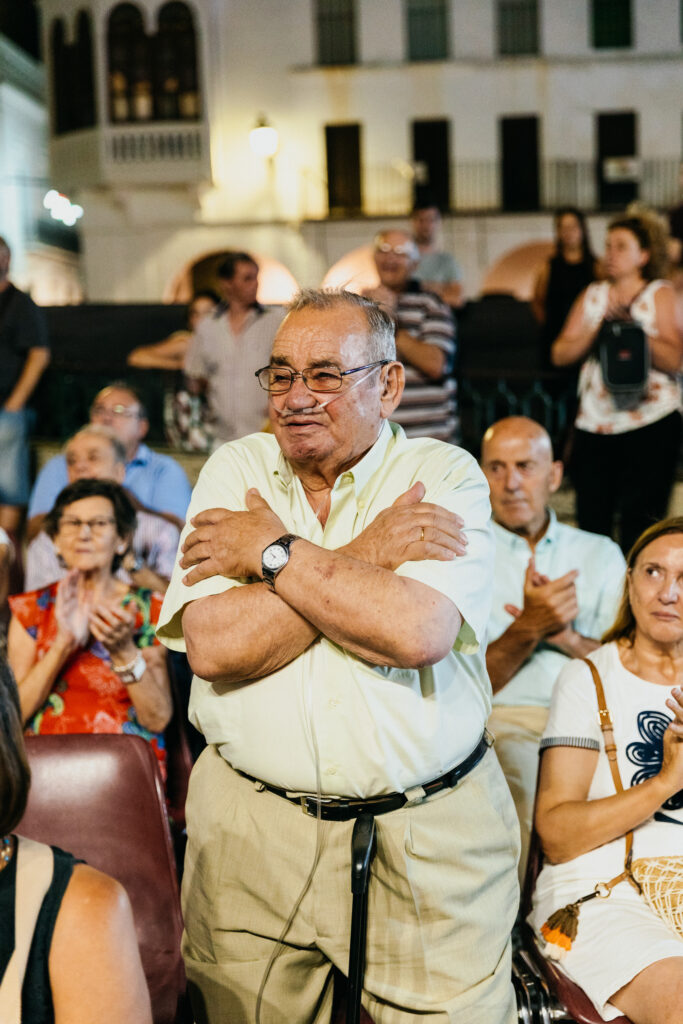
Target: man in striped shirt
{"type": "Point", "coordinates": [425, 339]}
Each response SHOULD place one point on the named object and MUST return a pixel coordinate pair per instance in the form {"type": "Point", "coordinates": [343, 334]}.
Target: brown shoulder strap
{"type": "Point", "coordinates": [610, 748]}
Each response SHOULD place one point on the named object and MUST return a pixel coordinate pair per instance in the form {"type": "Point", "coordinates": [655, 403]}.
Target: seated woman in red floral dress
{"type": "Point", "coordinates": [83, 650]}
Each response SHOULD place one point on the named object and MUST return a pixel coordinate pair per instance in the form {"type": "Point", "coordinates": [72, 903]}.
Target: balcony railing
{"type": "Point", "coordinates": [476, 186]}
{"type": "Point", "coordinates": [164, 153]}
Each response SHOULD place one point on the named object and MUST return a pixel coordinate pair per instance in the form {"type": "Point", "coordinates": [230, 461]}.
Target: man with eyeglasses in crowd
{"type": "Point", "coordinates": [425, 339]}
{"type": "Point", "coordinates": [157, 481]}
{"type": "Point", "coordinates": [332, 597]}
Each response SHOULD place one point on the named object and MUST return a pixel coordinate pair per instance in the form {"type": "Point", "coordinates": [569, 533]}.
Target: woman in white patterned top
{"type": "Point", "coordinates": [624, 459]}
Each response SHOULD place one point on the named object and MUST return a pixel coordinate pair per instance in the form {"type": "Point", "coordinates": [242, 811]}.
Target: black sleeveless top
{"type": "Point", "coordinates": [36, 996]}
{"type": "Point", "coordinates": [565, 282]}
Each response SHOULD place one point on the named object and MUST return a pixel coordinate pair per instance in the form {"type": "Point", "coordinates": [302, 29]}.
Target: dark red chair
{"type": "Point", "coordinates": [567, 993]}
{"type": "Point", "coordinates": [101, 798]}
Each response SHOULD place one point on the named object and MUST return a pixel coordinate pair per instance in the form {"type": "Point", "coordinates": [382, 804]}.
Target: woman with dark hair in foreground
{"type": "Point", "coordinates": [82, 962]}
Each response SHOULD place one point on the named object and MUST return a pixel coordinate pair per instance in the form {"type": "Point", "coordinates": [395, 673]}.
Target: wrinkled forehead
{"type": "Point", "coordinates": [86, 443]}
{"type": "Point", "coordinates": [312, 336]}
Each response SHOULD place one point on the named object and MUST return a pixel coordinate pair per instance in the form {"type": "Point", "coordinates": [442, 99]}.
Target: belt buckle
{"type": "Point", "coordinates": [310, 804]}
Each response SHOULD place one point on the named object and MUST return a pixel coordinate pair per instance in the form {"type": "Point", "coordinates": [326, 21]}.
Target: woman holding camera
{"type": "Point", "coordinates": [624, 458]}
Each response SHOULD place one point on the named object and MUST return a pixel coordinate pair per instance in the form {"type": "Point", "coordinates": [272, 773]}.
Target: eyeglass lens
{"type": "Point", "coordinates": [71, 525]}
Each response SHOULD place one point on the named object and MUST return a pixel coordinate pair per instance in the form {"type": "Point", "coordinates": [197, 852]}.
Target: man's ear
{"type": "Point", "coordinates": [144, 427]}
{"type": "Point", "coordinates": [556, 474]}
{"type": "Point", "coordinates": [392, 385]}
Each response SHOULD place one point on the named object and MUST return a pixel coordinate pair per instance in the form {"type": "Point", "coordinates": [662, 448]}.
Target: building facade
{"type": "Point", "coordinates": [499, 109]}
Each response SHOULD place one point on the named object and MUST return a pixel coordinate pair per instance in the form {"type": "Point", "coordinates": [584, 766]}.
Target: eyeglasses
{"type": "Point", "coordinates": [279, 379]}
{"type": "Point", "coordinates": [69, 524]}
{"type": "Point", "coordinates": [115, 410]}
{"type": "Point", "coordinates": [406, 249]}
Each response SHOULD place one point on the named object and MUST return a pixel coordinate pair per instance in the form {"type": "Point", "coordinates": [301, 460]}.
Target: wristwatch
{"type": "Point", "coordinates": [275, 558]}
{"type": "Point", "coordinates": [133, 671]}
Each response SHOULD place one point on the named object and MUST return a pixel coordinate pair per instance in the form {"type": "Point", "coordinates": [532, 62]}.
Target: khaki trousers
{"type": "Point", "coordinates": [518, 732]}
{"type": "Point", "coordinates": [443, 897]}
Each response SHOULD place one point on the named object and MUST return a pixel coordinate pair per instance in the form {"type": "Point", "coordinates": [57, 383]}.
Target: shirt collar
{"type": "Point", "coordinates": [513, 540]}
{"type": "Point", "coordinates": [142, 456]}
{"type": "Point", "coordinates": [361, 473]}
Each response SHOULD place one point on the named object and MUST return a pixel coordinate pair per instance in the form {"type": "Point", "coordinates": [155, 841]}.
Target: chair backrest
{"type": "Point", "coordinates": [101, 798]}
{"type": "Point", "coordinates": [567, 992]}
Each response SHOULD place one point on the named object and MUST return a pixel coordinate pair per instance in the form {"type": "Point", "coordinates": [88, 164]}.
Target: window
{"type": "Point", "coordinates": [427, 29]}
{"type": "Point", "coordinates": [431, 148]}
{"type": "Point", "coordinates": [617, 167]}
{"type": "Point", "coordinates": [336, 31]}
{"type": "Point", "coordinates": [73, 77]}
{"type": "Point", "coordinates": [612, 23]}
{"type": "Point", "coordinates": [519, 163]}
{"type": "Point", "coordinates": [130, 77]}
{"type": "Point", "coordinates": [176, 90]}
{"type": "Point", "coordinates": [342, 144]}
{"type": "Point", "coordinates": [517, 27]}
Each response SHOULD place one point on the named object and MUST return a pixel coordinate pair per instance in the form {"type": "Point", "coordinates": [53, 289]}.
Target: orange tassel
{"type": "Point", "coordinates": [559, 931]}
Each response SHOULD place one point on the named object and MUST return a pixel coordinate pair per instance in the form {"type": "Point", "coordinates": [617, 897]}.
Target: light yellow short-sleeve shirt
{"type": "Point", "coordinates": [377, 729]}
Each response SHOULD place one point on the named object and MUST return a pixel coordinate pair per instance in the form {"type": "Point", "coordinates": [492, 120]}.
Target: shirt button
{"type": "Point", "coordinates": [331, 770]}
{"type": "Point", "coordinates": [334, 702]}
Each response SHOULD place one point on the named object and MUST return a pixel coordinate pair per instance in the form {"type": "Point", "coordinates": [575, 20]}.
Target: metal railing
{"type": "Point", "coordinates": [476, 185]}
{"type": "Point", "coordinates": [143, 144]}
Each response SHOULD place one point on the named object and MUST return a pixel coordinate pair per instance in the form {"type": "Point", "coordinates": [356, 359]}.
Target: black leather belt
{"type": "Point", "coordinates": [339, 809]}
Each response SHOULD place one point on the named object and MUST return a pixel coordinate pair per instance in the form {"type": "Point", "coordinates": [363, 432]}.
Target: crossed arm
{"type": "Point", "coordinates": [352, 595]}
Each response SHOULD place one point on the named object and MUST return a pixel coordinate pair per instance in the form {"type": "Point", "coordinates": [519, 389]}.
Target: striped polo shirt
{"type": "Point", "coordinates": [428, 407]}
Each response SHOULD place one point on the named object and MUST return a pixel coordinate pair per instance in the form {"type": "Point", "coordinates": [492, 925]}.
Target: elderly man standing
{"type": "Point", "coordinates": [230, 346]}
{"type": "Point", "coordinates": [556, 590]}
{"type": "Point", "coordinates": [332, 607]}
{"type": "Point", "coordinates": [425, 339]}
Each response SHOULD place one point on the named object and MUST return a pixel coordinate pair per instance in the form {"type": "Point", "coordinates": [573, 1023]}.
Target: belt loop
{"type": "Point", "coordinates": [414, 795]}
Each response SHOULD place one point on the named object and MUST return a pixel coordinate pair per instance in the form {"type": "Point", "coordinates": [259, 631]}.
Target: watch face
{"type": "Point", "coordinates": [275, 556]}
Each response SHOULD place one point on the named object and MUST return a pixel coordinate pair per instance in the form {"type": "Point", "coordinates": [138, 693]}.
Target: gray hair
{"type": "Point", "coordinates": [381, 342]}
{"type": "Point", "coordinates": [411, 244]}
{"type": "Point", "coordinates": [98, 430]}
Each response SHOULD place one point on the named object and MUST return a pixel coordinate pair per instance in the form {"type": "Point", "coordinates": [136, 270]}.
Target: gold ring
{"type": "Point", "coordinates": [422, 533]}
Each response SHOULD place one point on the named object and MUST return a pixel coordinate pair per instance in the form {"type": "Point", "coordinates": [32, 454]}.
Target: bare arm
{"type": "Point", "coordinates": [112, 625]}
{"type": "Point", "coordinates": [36, 361]}
{"type": "Point", "coordinates": [35, 679]}
{"type": "Point", "coordinates": [95, 968]}
{"type": "Point", "coordinates": [569, 824]}
{"type": "Point", "coordinates": [450, 292]}
{"type": "Point", "coordinates": [540, 295]}
{"type": "Point", "coordinates": [576, 336]}
{"type": "Point", "coordinates": [34, 526]}
{"type": "Point", "coordinates": [168, 354]}
{"type": "Point", "coordinates": [261, 631]}
{"type": "Point", "coordinates": [667, 348]}
{"type": "Point", "coordinates": [428, 358]}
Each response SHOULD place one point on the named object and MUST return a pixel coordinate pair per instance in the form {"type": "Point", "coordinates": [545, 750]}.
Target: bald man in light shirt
{"type": "Point", "coordinates": [556, 591]}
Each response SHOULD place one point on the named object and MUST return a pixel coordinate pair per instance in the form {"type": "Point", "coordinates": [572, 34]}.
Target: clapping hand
{"type": "Point", "coordinates": [113, 626]}
{"type": "Point", "coordinates": [72, 609]}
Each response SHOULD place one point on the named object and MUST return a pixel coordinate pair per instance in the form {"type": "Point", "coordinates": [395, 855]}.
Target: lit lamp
{"type": "Point", "coordinates": [263, 138]}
